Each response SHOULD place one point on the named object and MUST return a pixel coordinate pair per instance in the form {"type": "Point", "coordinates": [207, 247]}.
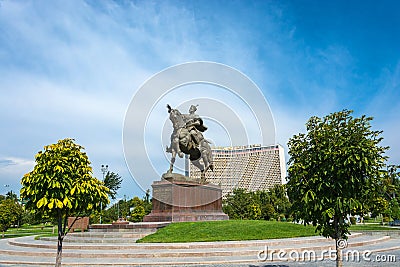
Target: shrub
{"type": "Point", "coordinates": [137, 214]}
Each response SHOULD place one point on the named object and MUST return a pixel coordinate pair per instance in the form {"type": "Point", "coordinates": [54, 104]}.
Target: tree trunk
{"type": "Point", "coordinates": [60, 240]}
{"type": "Point", "coordinates": [339, 256]}
{"type": "Point", "coordinates": [338, 236]}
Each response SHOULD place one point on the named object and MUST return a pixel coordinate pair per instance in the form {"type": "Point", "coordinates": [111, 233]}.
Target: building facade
{"type": "Point", "coordinates": [252, 167]}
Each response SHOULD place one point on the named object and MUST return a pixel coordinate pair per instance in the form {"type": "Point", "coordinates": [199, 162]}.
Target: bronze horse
{"type": "Point", "coordinates": [187, 138]}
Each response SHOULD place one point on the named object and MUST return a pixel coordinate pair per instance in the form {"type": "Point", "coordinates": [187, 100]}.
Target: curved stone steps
{"type": "Point", "coordinates": [207, 261]}
{"type": "Point", "coordinates": [25, 251]}
{"type": "Point", "coordinates": [389, 245]}
{"type": "Point", "coordinates": [85, 240]}
{"type": "Point", "coordinates": [111, 234]}
{"type": "Point", "coordinates": [29, 242]}
{"type": "Point", "coordinates": [193, 249]}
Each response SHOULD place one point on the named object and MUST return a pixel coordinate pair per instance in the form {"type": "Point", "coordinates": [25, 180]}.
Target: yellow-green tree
{"type": "Point", "coordinates": [61, 185]}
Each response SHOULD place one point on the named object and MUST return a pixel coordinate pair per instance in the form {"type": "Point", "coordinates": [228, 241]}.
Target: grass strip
{"type": "Point", "coordinates": [231, 230]}
{"type": "Point", "coordinates": [27, 230]}
{"type": "Point", "coordinates": [372, 227]}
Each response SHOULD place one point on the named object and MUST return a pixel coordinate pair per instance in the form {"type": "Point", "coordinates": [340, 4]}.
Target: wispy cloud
{"type": "Point", "coordinates": [6, 162]}
{"type": "Point", "coordinates": [12, 170]}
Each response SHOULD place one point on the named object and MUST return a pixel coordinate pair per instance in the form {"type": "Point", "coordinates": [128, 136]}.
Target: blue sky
{"type": "Point", "coordinates": [70, 68]}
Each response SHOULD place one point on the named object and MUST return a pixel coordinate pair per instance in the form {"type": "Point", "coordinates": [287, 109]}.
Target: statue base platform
{"type": "Point", "coordinates": [176, 177]}
{"type": "Point", "coordinates": [179, 200]}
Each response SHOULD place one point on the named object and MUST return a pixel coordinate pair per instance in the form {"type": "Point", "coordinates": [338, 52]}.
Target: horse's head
{"type": "Point", "coordinates": [176, 117]}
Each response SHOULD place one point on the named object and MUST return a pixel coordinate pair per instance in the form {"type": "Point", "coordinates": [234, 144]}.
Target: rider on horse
{"type": "Point", "coordinates": [188, 133]}
{"type": "Point", "coordinates": [194, 124]}
{"type": "Point", "coordinates": [187, 138]}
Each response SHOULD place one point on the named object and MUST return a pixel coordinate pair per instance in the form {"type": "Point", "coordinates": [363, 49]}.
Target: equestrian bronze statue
{"type": "Point", "coordinates": [187, 138]}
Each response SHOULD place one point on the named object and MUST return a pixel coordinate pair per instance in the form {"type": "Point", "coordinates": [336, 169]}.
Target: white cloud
{"type": "Point", "coordinates": [385, 108]}
{"type": "Point", "coordinates": [11, 171]}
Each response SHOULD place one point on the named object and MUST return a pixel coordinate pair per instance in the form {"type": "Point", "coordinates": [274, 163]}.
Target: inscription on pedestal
{"type": "Point", "coordinates": [163, 194]}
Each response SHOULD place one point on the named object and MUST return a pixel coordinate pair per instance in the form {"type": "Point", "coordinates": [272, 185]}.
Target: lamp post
{"type": "Point", "coordinates": [104, 169]}
{"type": "Point", "coordinates": [118, 210]}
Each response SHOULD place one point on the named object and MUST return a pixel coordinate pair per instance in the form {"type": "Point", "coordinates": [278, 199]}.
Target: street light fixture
{"type": "Point", "coordinates": [104, 169]}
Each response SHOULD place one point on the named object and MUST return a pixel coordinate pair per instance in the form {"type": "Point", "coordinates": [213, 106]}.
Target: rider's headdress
{"type": "Point", "coordinates": [193, 107]}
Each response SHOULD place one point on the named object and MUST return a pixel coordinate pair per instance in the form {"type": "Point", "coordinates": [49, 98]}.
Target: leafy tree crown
{"type": "Point", "coordinates": [62, 181]}
{"type": "Point", "coordinates": [333, 169]}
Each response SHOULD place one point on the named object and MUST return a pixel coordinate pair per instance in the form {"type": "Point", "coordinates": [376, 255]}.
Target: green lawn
{"type": "Point", "coordinates": [372, 227]}
{"type": "Point", "coordinates": [227, 230]}
{"type": "Point", "coordinates": [27, 230]}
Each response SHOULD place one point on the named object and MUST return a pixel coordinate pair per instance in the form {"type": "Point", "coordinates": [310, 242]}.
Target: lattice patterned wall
{"type": "Point", "coordinates": [252, 167]}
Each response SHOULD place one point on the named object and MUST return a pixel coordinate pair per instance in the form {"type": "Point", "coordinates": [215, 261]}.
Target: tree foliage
{"type": "Point", "coordinates": [333, 169]}
{"type": "Point", "coordinates": [387, 201]}
{"type": "Point", "coordinates": [12, 195]}
{"type": "Point", "coordinates": [238, 205]}
{"type": "Point", "coordinates": [394, 209]}
{"type": "Point", "coordinates": [10, 212]}
{"type": "Point", "coordinates": [141, 207]}
{"type": "Point", "coordinates": [137, 214]}
{"type": "Point", "coordinates": [61, 185]}
{"type": "Point", "coordinates": [271, 204]}
{"type": "Point", "coordinates": [133, 210]}
{"type": "Point", "coordinates": [113, 182]}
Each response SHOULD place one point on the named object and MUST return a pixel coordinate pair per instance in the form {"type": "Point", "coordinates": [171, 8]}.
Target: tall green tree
{"type": "Point", "coordinates": [391, 182]}
{"type": "Point", "coordinates": [243, 205]}
{"type": "Point", "coordinates": [266, 204]}
{"type": "Point", "coordinates": [385, 201]}
{"type": "Point", "coordinates": [279, 200]}
{"type": "Point", "coordinates": [113, 182]}
{"type": "Point", "coordinates": [147, 202]}
{"type": "Point", "coordinates": [61, 185]}
{"type": "Point", "coordinates": [10, 212]}
{"type": "Point", "coordinates": [394, 209]}
{"type": "Point", "coordinates": [331, 169]}
{"type": "Point", "coordinates": [140, 207]}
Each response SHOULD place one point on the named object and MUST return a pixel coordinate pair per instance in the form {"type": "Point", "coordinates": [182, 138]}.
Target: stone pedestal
{"type": "Point", "coordinates": [180, 201]}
